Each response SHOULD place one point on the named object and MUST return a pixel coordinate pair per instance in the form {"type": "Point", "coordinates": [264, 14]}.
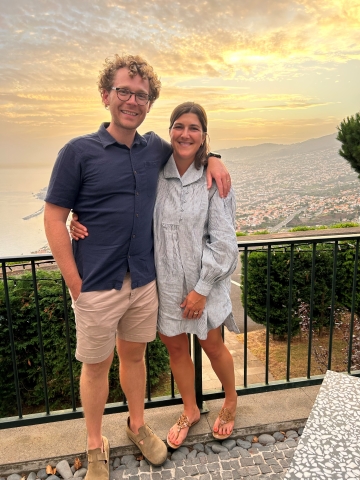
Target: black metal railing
{"type": "Point", "coordinates": [12, 267]}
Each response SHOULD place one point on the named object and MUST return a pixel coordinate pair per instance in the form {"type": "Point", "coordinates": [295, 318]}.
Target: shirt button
{"type": "Point", "coordinates": [128, 256]}
{"type": "Point", "coordinates": [137, 214]}
{"type": "Point", "coordinates": [133, 236]}
{"type": "Point", "coordinates": [135, 172]}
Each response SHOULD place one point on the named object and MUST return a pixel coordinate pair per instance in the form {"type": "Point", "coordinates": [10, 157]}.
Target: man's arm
{"type": "Point", "coordinates": [216, 170]}
{"type": "Point", "coordinates": [59, 241]}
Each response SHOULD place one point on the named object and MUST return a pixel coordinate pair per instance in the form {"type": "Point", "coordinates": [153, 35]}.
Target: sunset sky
{"type": "Point", "coordinates": [266, 71]}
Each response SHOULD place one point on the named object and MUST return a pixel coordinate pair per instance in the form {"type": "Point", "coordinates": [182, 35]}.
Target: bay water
{"type": "Point", "coordinates": [18, 187]}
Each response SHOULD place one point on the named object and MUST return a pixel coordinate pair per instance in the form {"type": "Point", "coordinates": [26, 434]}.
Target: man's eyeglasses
{"type": "Point", "coordinates": [124, 94]}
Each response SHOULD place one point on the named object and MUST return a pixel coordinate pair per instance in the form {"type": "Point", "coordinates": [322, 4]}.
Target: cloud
{"type": "Point", "coordinates": [181, 38]}
{"type": "Point", "coordinates": [235, 57]}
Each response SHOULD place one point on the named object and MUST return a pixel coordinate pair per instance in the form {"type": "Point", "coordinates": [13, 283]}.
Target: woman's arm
{"type": "Point", "coordinates": [220, 254]}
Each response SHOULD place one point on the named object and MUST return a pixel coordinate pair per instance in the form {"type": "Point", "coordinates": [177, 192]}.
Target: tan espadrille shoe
{"type": "Point", "coordinates": [98, 462]}
{"type": "Point", "coordinates": [153, 448]}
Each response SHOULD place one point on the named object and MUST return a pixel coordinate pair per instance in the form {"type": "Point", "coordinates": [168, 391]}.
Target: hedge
{"type": "Point", "coordinates": [53, 327]}
{"type": "Point", "coordinates": [279, 284]}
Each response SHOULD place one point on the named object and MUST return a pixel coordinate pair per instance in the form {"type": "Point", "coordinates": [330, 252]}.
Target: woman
{"type": "Point", "coordinates": [195, 253]}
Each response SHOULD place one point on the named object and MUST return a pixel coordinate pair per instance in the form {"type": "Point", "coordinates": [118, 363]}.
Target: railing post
{"type": "Point", "coordinates": [41, 344]}
{"type": "Point", "coordinates": [245, 306]}
{"type": "Point", "coordinates": [291, 276]}
{"type": "Point", "coordinates": [332, 308]}
{"type": "Point", "coordinates": [11, 335]}
{"type": "Point", "coordinates": [268, 292]}
{"type": "Point", "coordinates": [353, 299]}
{"type": "Point", "coordinates": [68, 346]}
{"type": "Point", "coordinates": [312, 294]}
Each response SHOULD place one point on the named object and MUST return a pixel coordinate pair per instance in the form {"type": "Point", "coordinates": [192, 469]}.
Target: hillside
{"type": "Point", "coordinates": [278, 186]}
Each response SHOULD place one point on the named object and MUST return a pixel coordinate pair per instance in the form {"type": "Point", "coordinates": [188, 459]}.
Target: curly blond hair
{"type": "Point", "coordinates": [136, 65]}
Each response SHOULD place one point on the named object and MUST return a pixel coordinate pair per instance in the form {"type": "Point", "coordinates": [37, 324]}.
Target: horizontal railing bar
{"type": "Point", "coordinates": [281, 241]}
{"type": "Point", "coordinates": [241, 241]}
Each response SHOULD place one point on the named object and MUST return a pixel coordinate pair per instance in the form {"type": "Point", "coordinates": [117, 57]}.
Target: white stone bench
{"type": "Point", "coordinates": [329, 447]}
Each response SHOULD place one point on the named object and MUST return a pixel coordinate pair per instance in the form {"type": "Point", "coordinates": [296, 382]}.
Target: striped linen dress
{"type": "Point", "coordinates": [195, 249]}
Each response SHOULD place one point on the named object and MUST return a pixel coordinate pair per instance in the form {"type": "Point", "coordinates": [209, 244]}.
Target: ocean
{"type": "Point", "coordinates": [18, 188]}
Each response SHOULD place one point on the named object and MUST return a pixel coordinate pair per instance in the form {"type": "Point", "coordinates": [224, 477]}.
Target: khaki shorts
{"type": "Point", "coordinates": [100, 316]}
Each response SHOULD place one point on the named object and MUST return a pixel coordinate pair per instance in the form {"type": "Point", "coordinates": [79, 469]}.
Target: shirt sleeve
{"type": "Point", "coordinates": [65, 179]}
{"type": "Point", "coordinates": [220, 254]}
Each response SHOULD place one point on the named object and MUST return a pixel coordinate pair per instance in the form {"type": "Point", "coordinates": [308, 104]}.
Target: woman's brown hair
{"type": "Point", "coordinates": [198, 110]}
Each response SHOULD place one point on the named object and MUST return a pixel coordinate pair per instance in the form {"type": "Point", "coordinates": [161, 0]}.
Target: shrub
{"type": "Point", "coordinates": [279, 286]}
{"type": "Point", "coordinates": [53, 330]}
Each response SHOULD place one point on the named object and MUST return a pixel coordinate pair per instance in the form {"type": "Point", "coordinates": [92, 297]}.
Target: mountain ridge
{"type": "Point", "coordinates": [277, 150]}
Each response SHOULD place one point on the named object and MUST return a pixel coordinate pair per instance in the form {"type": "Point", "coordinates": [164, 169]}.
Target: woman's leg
{"type": "Point", "coordinates": [223, 365]}
{"type": "Point", "coordinates": [183, 370]}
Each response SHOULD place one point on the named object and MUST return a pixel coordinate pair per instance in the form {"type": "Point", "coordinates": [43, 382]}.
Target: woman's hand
{"type": "Point", "coordinates": [77, 230]}
{"type": "Point", "coordinates": [193, 305]}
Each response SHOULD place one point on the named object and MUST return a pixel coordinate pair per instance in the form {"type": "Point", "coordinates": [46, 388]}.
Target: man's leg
{"type": "Point", "coordinates": [94, 391]}
{"type": "Point", "coordinates": [132, 379]}
{"type": "Point", "coordinates": [136, 328]}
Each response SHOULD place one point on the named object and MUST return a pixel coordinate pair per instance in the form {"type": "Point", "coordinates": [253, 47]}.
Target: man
{"type": "Point", "coordinates": [109, 178]}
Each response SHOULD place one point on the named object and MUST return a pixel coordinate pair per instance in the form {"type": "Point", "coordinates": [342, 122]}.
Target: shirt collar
{"type": "Point", "coordinates": [191, 175]}
{"type": "Point", "coordinates": [107, 139]}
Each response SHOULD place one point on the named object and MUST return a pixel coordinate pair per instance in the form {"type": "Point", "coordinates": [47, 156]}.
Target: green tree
{"type": "Point", "coordinates": [349, 136]}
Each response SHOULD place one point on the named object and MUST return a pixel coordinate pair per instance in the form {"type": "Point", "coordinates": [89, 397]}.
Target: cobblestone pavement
{"type": "Point", "coordinates": [270, 462]}
{"type": "Point", "coordinates": [197, 462]}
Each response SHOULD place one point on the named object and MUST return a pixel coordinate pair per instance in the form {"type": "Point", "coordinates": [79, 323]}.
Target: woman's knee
{"type": "Point", "coordinates": [214, 350]}
{"type": "Point", "coordinates": [178, 347]}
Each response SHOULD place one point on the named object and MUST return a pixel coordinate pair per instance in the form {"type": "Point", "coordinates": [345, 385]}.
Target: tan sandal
{"type": "Point", "coordinates": [183, 422]}
{"type": "Point", "coordinates": [225, 416]}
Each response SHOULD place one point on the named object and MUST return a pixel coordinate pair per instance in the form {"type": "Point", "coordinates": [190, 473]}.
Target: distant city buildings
{"type": "Point", "coordinates": [278, 191]}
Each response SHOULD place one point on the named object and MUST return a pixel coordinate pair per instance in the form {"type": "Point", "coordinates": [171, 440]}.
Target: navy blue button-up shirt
{"type": "Point", "coordinates": [112, 188]}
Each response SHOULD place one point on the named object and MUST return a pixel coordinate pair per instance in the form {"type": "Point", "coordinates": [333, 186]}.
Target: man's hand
{"type": "Point", "coordinates": [193, 305]}
{"type": "Point", "coordinates": [59, 241]}
{"type": "Point", "coordinates": [216, 170]}
{"type": "Point", "coordinates": [77, 230]}
{"type": "Point", "coordinates": [75, 290]}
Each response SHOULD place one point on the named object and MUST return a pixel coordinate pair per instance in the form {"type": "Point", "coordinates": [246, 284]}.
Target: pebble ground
{"type": "Point", "coordinates": [253, 457]}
